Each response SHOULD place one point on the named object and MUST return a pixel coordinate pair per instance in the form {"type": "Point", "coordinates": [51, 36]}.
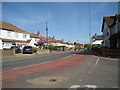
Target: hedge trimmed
{"type": "Point", "coordinates": [55, 48]}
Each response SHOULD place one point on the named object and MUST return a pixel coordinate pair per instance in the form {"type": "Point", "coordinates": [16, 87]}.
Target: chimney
{"type": "Point", "coordinates": [38, 33]}
{"type": "Point", "coordinates": [53, 37]}
{"type": "Point", "coordinates": [62, 40]}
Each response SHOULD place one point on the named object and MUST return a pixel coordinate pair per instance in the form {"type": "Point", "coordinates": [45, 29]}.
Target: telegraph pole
{"type": "Point", "coordinates": [47, 33]}
{"type": "Point", "coordinates": [89, 23]}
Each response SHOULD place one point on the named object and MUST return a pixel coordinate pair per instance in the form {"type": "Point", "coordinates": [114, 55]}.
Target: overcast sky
{"type": "Point", "coordinates": [67, 20]}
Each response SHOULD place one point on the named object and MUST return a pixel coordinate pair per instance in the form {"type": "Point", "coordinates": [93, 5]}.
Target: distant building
{"type": "Point", "coordinates": [97, 40]}
{"type": "Point", "coordinates": [111, 31]}
{"type": "Point", "coordinates": [78, 46]}
{"type": "Point", "coordinates": [54, 42]}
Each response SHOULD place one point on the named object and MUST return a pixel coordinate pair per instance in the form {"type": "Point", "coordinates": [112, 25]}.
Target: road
{"type": "Point", "coordinates": [62, 70]}
{"type": "Point", "coordinates": [17, 62]}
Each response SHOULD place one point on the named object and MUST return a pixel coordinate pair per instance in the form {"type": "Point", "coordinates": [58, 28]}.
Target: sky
{"type": "Point", "coordinates": [71, 21]}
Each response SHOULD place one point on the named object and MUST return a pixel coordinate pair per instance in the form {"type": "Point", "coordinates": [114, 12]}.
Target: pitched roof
{"type": "Point", "coordinates": [18, 41]}
{"type": "Point", "coordinates": [52, 39]}
{"type": "Point", "coordinates": [11, 27]}
{"type": "Point", "coordinates": [34, 35]}
{"type": "Point", "coordinates": [110, 20]}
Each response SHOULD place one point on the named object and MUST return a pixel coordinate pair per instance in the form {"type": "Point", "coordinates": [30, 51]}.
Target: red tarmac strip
{"type": "Point", "coordinates": [57, 66]}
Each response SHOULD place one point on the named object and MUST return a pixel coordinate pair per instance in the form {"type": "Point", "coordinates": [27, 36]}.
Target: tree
{"type": "Point", "coordinates": [74, 43]}
{"type": "Point", "coordinates": [87, 45]}
{"type": "Point", "coordinates": [43, 40]}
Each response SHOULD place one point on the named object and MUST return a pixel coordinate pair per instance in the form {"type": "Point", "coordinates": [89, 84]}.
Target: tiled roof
{"type": "Point", "coordinates": [110, 20]}
{"type": "Point", "coordinates": [34, 35]}
{"type": "Point", "coordinates": [18, 41]}
{"type": "Point", "coordinates": [58, 41]}
{"type": "Point", "coordinates": [8, 26]}
{"type": "Point", "coordinates": [52, 39]}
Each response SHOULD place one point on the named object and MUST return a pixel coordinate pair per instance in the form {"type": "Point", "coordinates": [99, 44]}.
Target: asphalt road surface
{"type": "Point", "coordinates": [62, 70]}
{"type": "Point", "coordinates": [17, 62]}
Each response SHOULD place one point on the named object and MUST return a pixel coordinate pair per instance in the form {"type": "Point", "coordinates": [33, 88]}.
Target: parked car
{"type": "Point", "coordinates": [28, 49]}
{"type": "Point", "coordinates": [17, 49]}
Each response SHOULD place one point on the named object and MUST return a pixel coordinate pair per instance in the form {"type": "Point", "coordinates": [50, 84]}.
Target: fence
{"type": "Point", "coordinates": [110, 52]}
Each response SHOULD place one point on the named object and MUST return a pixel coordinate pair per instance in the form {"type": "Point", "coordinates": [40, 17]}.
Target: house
{"type": "Point", "coordinates": [34, 39]}
{"type": "Point", "coordinates": [12, 35]}
{"type": "Point", "coordinates": [70, 45]}
{"type": "Point", "coordinates": [54, 42]}
{"type": "Point", "coordinates": [97, 40]}
{"type": "Point", "coordinates": [111, 31]}
{"type": "Point", "coordinates": [78, 46]}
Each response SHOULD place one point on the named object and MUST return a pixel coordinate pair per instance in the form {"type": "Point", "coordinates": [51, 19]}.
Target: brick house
{"type": "Point", "coordinates": [79, 46]}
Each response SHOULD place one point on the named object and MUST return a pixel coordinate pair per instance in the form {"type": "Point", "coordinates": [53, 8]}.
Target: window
{"type": "Point", "coordinates": [16, 34]}
{"type": "Point", "coordinates": [9, 33]}
{"type": "Point", "coordinates": [36, 39]}
{"type": "Point", "coordinates": [6, 45]}
{"type": "Point", "coordinates": [24, 36]}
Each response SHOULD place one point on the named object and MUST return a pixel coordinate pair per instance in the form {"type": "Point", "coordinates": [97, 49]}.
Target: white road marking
{"type": "Point", "coordinates": [91, 86]}
{"type": "Point", "coordinates": [97, 61]}
{"type": "Point", "coordinates": [75, 86]}
{"type": "Point", "coordinates": [80, 80]}
{"type": "Point", "coordinates": [94, 66]}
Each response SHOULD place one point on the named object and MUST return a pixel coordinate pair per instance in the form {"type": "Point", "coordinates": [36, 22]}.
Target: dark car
{"type": "Point", "coordinates": [28, 49]}
{"type": "Point", "coordinates": [17, 49]}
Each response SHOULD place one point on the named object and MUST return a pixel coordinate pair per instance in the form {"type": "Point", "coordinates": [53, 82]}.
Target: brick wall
{"type": "Point", "coordinates": [43, 51]}
{"type": "Point", "coordinates": [110, 52]}
{"type": "Point", "coordinates": [8, 52]}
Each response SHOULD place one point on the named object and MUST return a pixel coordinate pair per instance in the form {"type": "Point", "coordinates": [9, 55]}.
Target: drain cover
{"type": "Point", "coordinates": [47, 80]}
{"type": "Point", "coordinates": [52, 80]}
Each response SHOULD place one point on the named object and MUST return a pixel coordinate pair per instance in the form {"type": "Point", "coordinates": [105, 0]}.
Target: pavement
{"type": "Point", "coordinates": [70, 70]}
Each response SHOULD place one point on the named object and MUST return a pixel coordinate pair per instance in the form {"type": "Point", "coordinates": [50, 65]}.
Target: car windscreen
{"type": "Point", "coordinates": [28, 47]}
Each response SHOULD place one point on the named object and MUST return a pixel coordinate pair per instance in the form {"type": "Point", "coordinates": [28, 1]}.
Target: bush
{"type": "Point", "coordinates": [35, 49]}
{"type": "Point", "coordinates": [55, 48]}
{"type": "Point", "coordinates": [78, 49]}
